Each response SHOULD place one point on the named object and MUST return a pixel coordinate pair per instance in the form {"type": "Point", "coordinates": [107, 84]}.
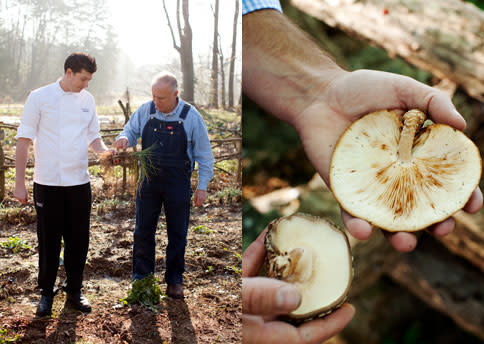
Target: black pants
{"type": "Point", "coordinates": [62, 212]}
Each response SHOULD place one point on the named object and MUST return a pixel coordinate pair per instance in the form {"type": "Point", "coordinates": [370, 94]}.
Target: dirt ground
{"type": "Point", "coordinates": [210, 312]}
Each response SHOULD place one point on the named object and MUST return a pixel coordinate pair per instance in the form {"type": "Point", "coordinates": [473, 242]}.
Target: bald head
{"type": "Point", "coordinates": [164, 79]}
{"type": "Point", "coordinates": [165, 92]}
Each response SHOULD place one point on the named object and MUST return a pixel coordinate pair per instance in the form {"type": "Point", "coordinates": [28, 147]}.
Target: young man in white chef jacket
{"type": "Point", "coordinates": [61, 120]}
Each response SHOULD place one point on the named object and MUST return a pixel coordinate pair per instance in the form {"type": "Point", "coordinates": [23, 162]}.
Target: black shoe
{"type": "Point", "coordinates": [79, 301]}
{"type": "Point", "coordinates": [45, 306]}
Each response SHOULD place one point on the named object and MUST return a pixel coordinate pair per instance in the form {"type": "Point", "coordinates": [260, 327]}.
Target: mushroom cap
{"type": "Point", "coordinates": [370, 181]}
{"type": "Point", "coordinates": [325, 272]}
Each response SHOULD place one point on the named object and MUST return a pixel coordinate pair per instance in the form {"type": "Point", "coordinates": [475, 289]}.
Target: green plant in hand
{"type": "Point", "coordinates": [133, 160]}
{"type": "Point", "coordinates": [145, 291]}
{"type": "Point", "coordinates": [146, 166]}
{"type": "Point", "coordinates": [15, 244]}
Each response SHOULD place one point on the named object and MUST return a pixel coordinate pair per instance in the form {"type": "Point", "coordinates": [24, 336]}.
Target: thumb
{"type": "Point", "coordinates": [436, 103]}
{"type": "Point", "coordinates": [267, 296]}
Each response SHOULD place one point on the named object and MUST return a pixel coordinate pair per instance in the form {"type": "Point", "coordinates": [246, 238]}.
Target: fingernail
{"type": "Point", "coordinates": [288, 297]}
{"type": "Point", "coordinates": [350, 307]}
{"type": "Point", "coordinates": [457, 114]}
{"type": "Point", "coordinates": [460, 117]}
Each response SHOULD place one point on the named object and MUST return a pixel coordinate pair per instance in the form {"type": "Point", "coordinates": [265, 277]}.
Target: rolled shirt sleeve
{"type": "Point", "coordinates": [202, 153]}
{"type": "Point", "coordinates": [255, 5]}
{"type": "Point", "coordinates": [30, 118]}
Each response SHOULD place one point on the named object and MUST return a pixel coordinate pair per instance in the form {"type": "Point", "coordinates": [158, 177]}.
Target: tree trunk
{"type": "Point", "coordinates": [214, 76]}
{"type": "Point", "coordinates": [441, 36]}
{"type": "Point", "coordinates": [2, 172]}
{"type": "Point", "coordinates": [187, 56]}
{"type": "Point", "coordinates": [184, 48]}
{"type": "Point", "coordinates": [222, 77]}
{"type": "Point", "coordinates": [232, 57]}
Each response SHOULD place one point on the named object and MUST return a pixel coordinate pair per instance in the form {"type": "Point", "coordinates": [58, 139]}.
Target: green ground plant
{"type": "Point", "coordinates": [108, 205]}
{"type": "Point", "coordinates": [234, 269]}
{"type": "Point", "coordinates": [6, 338]}
{"type": "Point", "coordinates": [15, 245]}
{"type": "Point", "coordinates": [228, 195]}
{"type": "Point", "coordinates": [146, 291]}
{"type": "Point", "coordinates": [202, 229]}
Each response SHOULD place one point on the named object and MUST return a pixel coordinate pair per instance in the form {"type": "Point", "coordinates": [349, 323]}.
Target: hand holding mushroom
{"type": "Point", "coordinates": [400, 176]}
{"type": "Point", "coordinates": [263, 299]}
{"type": "Point", "coordinates": [351, 95]}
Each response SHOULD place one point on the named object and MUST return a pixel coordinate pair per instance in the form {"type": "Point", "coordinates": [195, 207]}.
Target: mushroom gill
{"type": "Point", "coordinates": [399, 176]}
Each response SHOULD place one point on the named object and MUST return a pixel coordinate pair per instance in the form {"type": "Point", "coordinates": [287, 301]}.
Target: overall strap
{"type": "Point", "coordinates": [184, 112]}
{"type": "Point", "coordinates": [152, 108]}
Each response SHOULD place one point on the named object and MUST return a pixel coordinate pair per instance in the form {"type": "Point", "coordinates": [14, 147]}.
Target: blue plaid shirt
{"type": "Point", "coordinates": [254, 5]}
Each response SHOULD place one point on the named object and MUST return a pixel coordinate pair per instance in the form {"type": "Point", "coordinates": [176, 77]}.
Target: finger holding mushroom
{"type": "Point", "coordinates": [390, 171]}
{"type": "Point", "coordinates": [313, 255]}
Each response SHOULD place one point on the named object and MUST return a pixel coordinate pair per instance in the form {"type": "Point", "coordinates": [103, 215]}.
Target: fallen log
{"type": "Point", "coordinates": [467, 239]}
{"type": "Point", "coordinates": [444, 37]}
{"type": "Point", "coordinates": [444, 281]}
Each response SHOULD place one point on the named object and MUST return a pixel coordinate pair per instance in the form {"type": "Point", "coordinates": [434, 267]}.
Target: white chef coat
{"type": "Point", "coordinates": [62, 125]}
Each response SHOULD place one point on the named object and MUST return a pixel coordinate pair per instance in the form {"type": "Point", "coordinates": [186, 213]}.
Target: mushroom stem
{"type": "Point", "coordinates": [412, 120]}
{"type": "Point", "coordinates": [301, 261]}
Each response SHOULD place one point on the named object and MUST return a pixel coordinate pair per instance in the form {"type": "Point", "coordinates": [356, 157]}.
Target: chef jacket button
{"type": "Point", "coordinates": [156, 129]}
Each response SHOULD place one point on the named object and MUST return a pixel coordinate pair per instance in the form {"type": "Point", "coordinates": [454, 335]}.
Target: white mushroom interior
{"type": "Point", "coordinates": [370, 181]}
{"type": "Point", "coordinates": [323, 273]}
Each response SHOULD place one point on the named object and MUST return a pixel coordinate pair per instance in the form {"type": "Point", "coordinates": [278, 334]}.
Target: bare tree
{"type": "Point", "coordinates": [36, 37]}
{"type": "Point", "coordinates": [184, 48]}
{"type": "Point", "coordinates": [232, 57]}
{"type": "Point", "coordinates": [222, 74]}
{"type": "Point", "coordinates": [214, 76]}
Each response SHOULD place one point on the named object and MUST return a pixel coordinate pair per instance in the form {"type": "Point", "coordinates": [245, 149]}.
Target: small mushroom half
{"type": "Point", "coordinates": [315, 256]}
{"type": "Point", "coordinates": [401, 176]}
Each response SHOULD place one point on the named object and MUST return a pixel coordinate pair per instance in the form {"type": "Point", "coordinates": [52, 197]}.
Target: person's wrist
{"type": "Point", "coordinates": [314, 99]}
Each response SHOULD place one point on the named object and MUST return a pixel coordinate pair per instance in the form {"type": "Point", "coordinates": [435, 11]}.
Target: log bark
{"type": "Point", "coordinates": [445, 37]}
{"type": "Point", "coordinates": [446, 282]}
{"type": "Point", "coordinates": [467, 239]}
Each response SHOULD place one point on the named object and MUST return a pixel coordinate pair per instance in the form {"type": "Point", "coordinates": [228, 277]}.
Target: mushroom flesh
{"type": "Point", "coordinates": [315, 256]}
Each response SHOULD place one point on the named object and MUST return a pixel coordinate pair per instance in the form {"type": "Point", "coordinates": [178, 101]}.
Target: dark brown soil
{"type": "Point", "coordinates": [210, 312]}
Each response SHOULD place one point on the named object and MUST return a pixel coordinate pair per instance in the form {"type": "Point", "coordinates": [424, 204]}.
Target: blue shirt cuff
{"type": "Point", "coordinates": [254, 5]}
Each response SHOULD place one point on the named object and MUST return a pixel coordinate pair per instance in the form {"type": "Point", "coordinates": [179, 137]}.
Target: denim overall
{"type": "Point", "coordinates": [169, 187]}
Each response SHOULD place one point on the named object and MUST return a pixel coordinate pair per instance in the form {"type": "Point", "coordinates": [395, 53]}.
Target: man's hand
{"type": "Point", "coordinates": [199, 197]}
{"type": "Point", "coordinates": [305, 88]}
{"type": "Point", "coordinates": [20, 193]}
{"type": "Point", "coordinates": [21, 151]}
{"type": "Point", "coordinates": [121, 143]}
{"type": "Point", "coordinates": [265, 298]}
{"type": "Point", "coordinates": [114, 154]}
{"type": "Point", "coordinates": [353, 94]}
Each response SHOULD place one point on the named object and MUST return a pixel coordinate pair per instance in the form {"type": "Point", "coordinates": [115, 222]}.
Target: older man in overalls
{"type": "Point", "coordinates": [177, 136]}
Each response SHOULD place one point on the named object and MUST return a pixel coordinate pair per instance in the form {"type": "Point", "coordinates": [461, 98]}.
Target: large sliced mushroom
{"type": "Point", "coordinates": [315, 256]}
{"type": "Point", "coordinates": [401, 176]}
